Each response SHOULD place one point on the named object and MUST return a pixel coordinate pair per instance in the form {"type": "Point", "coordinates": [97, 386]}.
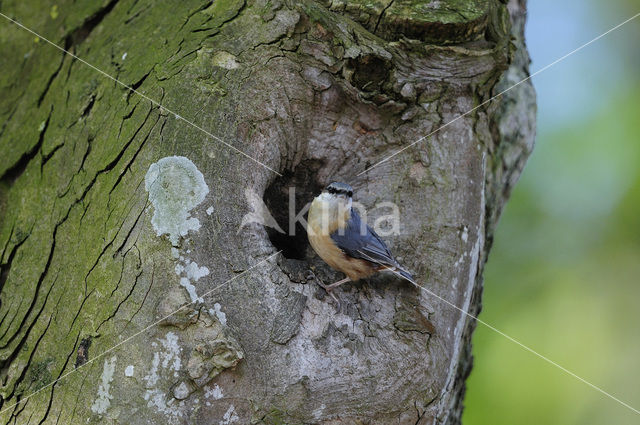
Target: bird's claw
{"type": "Point", "coordinates": [332, 295]}
{"type": "Point", "coordinates": [328, 289]}
{"type": "Point", "coordinates": [310, 275]}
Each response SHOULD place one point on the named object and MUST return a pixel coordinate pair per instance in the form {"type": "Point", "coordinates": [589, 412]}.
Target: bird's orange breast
{"type": "Point", "coordinates": [320, 226]}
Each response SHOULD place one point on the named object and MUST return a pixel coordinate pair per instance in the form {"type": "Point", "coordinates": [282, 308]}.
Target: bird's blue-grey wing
{"type": "Point", "coordinates": [358, 240]}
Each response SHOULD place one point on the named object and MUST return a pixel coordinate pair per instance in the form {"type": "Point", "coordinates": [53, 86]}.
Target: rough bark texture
{"type": "Point", "coordinates": [316, 90]}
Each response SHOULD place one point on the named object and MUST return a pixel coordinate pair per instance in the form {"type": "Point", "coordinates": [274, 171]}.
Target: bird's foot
{"type": "Point", "coordinates": [328, 288]}
{"type": "Point", "coordinates": [310, 275]}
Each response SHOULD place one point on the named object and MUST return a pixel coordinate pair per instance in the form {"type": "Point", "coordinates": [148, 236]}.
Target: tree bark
{"type": "Point", "coordinates": [115, 212]}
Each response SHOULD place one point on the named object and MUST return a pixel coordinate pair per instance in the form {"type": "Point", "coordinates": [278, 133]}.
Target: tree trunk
{"type": "Point", "coordinates": [115, 211]}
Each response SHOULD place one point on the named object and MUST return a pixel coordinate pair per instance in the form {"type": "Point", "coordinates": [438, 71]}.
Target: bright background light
{"type": "Point", "coordinates": [564, 273]}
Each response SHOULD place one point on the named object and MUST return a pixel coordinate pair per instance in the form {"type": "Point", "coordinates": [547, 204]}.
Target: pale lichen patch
{"type": "Point", "coordinates": [157, 399]}
{"type": "Point", "coordinates": [225, 60]}
{"type": "Point", "coordinates": [175, 187]}
{"type": "Point", "coordinates": [181, 391]}
{"type": "Point", "coordinates": [230, 416]}
{"type": "Point", "coordinates": [128, 371]}
{"type": "Point", "coordinates": [218, 313]}
{"type": "Point", "coordinates": [165, 364]}
{"type": "Point", "coordinates": [465, 234]}
{"type": "Point", "coordinates": [193, 273]}
{"type": "Point", "coordinates": [214, 392]}
{"type": "Point", "coordinates": [186, 283]}
{"type": "Point", "coordinates": [171, 355]}
{"type": "Point", "coordinates": [152, 377]}
{"type": "Point", "coordinates": [102, 403]}
{"type": "Point", "coordinates": [169, 358]}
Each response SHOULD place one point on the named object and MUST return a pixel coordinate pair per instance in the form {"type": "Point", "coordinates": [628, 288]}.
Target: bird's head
{"type": "Point", "coordinates": [338, 195]}
{"type": "Point", "coordinates": [331, 209]}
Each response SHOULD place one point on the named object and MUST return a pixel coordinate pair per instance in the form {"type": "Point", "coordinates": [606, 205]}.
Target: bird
{"type": "Point", "coordinates": [347, 244]}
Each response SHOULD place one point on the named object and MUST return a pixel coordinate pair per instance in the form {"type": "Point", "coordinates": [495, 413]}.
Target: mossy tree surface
{"type": "Point", "coordinates": [315, 90]}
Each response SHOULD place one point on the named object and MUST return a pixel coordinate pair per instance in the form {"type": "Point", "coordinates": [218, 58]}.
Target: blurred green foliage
{"type": "Point", "coordinates": [563, 275]}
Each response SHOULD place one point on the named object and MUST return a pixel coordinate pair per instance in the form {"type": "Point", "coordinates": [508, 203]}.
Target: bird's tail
{"type": "Point", "coordinates": [402, 272]}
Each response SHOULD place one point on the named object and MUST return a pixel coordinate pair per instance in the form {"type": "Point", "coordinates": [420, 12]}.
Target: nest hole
{"type": "Point", "coordinates": [370, 72]}
{"type": "Point", "coordinates": [300, 185]}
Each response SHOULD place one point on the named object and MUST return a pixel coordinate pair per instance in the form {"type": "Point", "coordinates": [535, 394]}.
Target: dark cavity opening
{"type": "Point", "coordinates": [302, 180]}
{"type": "Point", "coordinates": [370, 72]}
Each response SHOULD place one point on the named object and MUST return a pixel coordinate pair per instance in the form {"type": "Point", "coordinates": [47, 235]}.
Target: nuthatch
{"type": "Point", "coordinates": [343, 241]}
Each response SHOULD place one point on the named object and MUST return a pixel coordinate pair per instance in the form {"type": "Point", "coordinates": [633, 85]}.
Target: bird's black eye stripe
{"type": "Point", "coordinates": [334, 190]}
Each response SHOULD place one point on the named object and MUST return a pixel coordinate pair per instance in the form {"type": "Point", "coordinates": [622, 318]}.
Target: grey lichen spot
{"type": "Point", "coordinates": [230, 416]}
{"type": "Point", "coordinates": [225, 60]}
{"type": "Point", "coordinates": [193, 273]}
{"type": "Point", "coordinates": [102, 403]}
{"type": "Point", "coordinates": [175, 187]}
{"type": "Point", "coordinates": [128, 372]}
{"type": "Point", "coordinates": [186, 283]}
{"type": "Point", "coordinates": [214, 392]}
{"type": "Point", "coordinates": [165, 367]}
{"type": "Point", "coordinates": [181, 391]}
{"type": "Point", "coordinates": [217, 312]}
